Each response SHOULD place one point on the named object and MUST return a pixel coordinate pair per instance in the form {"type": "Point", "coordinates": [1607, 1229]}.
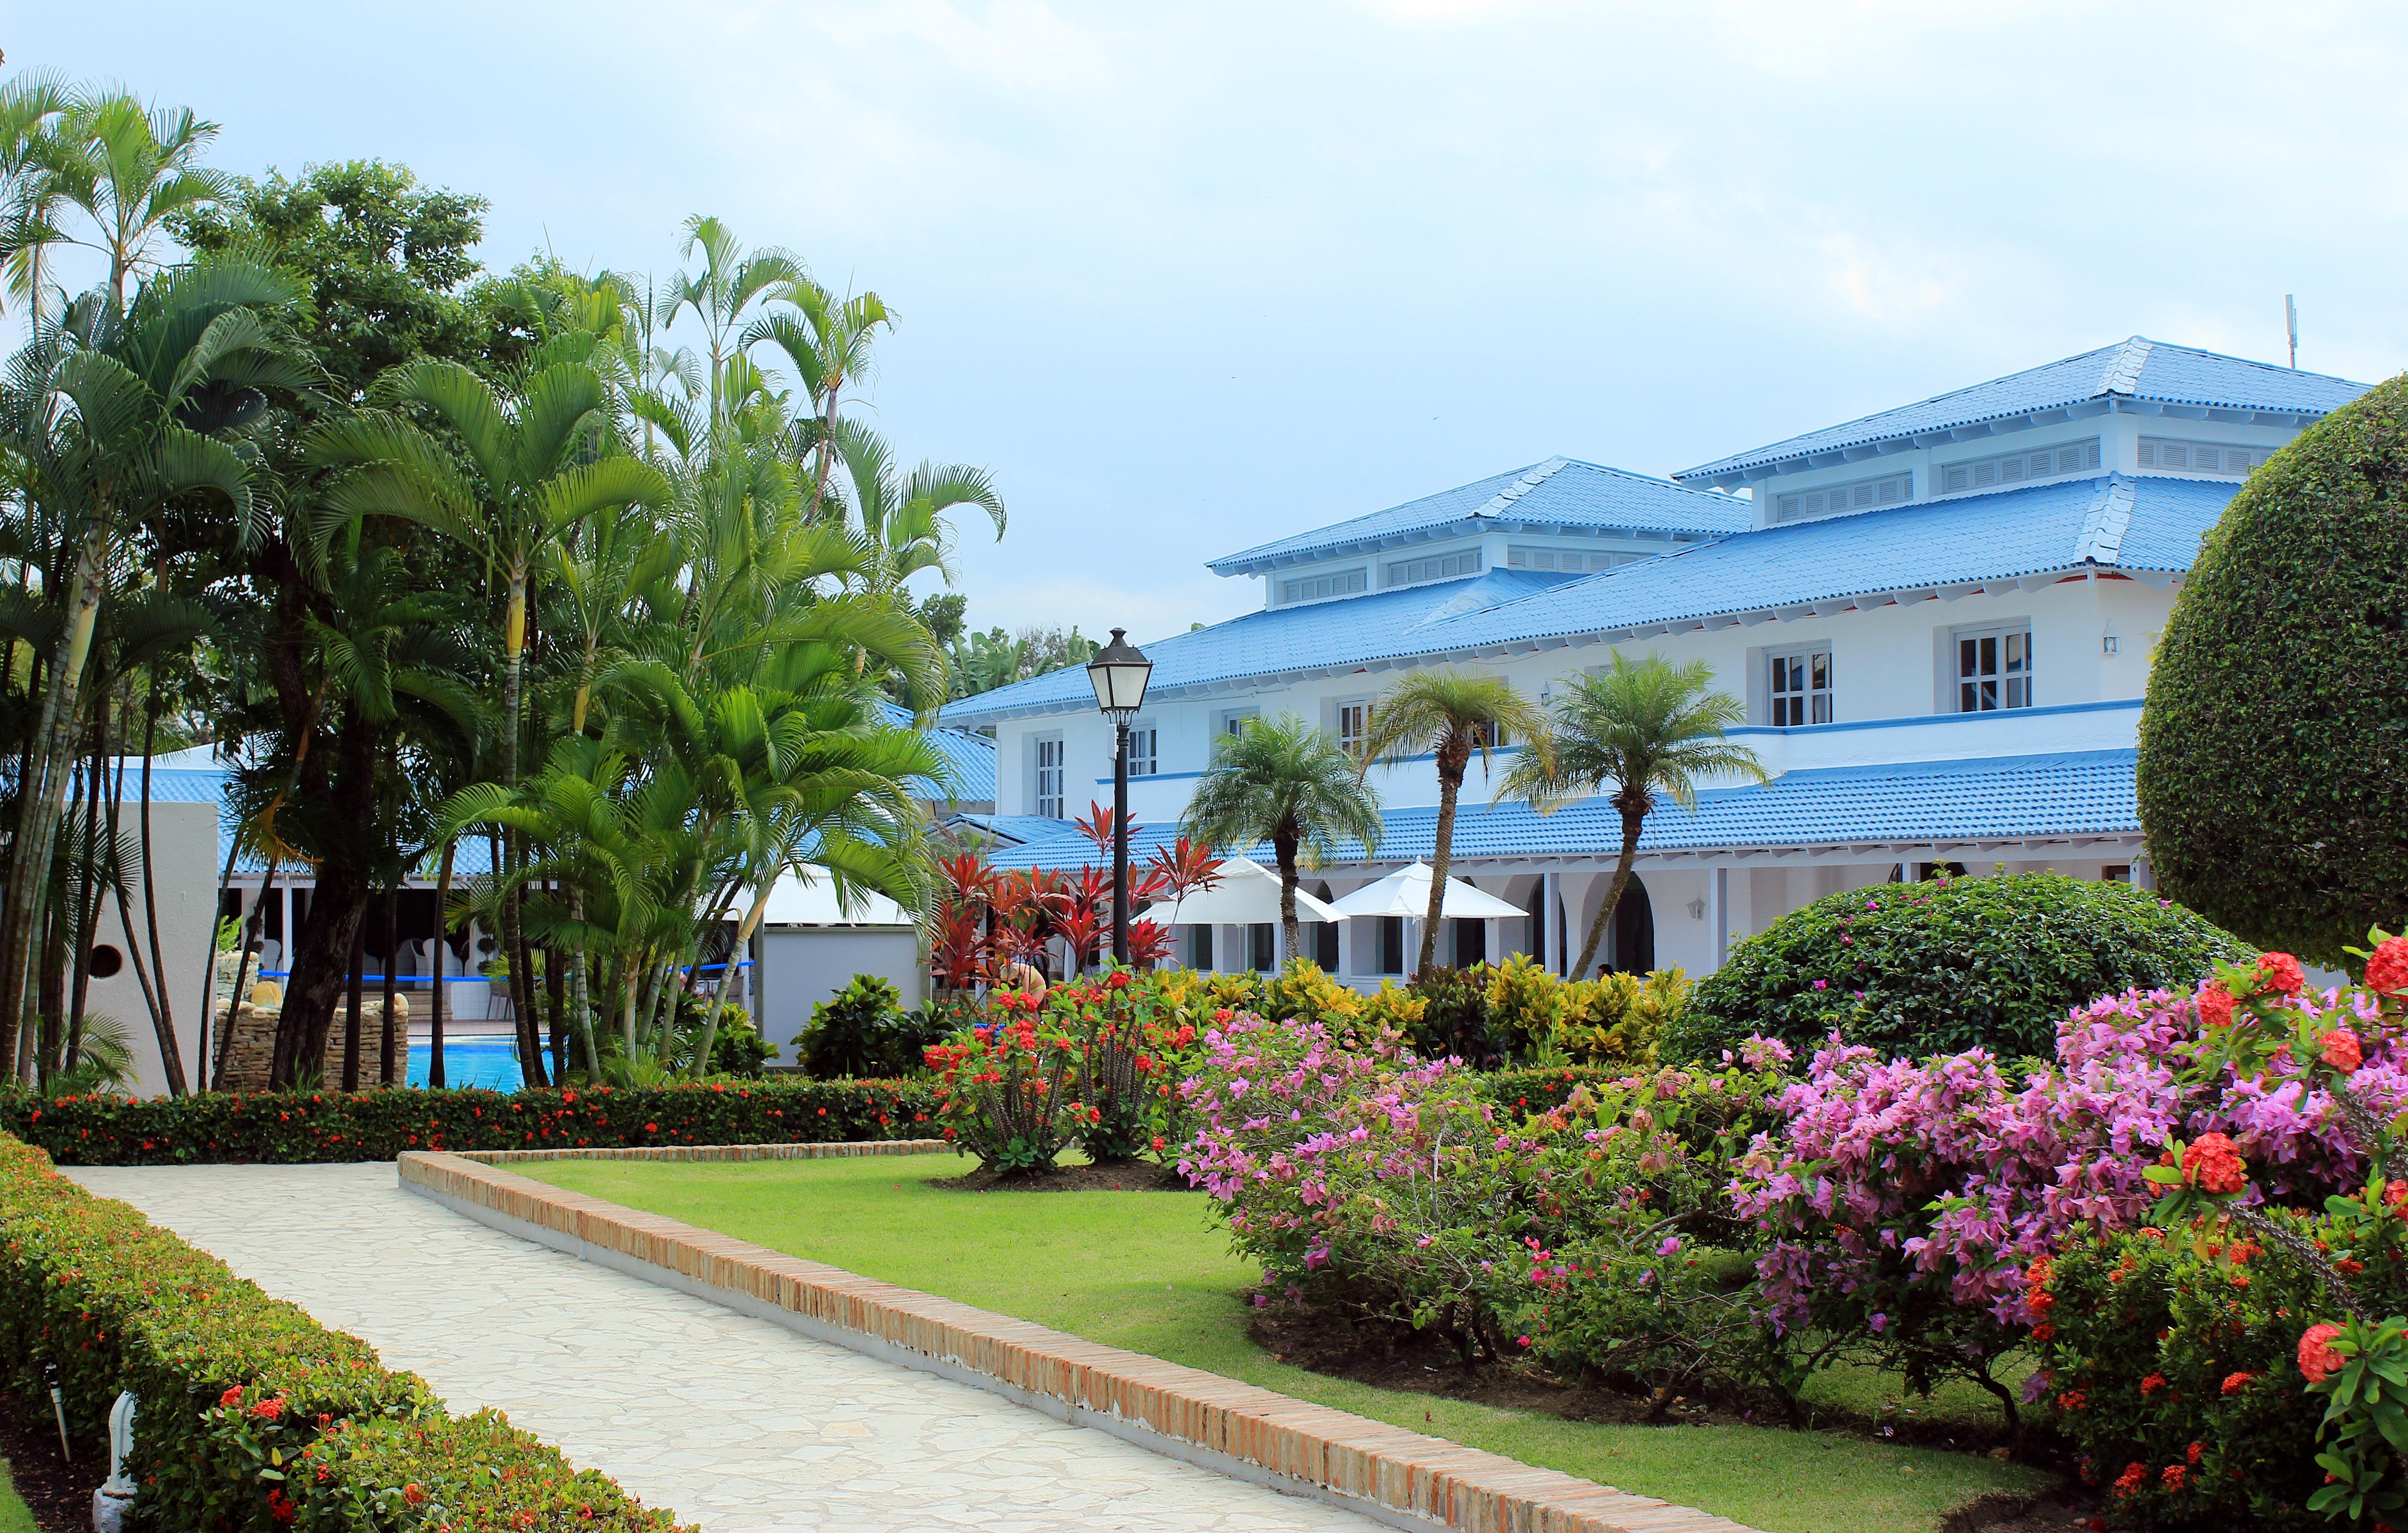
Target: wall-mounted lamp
{"type": "Point", "coordinates": [1697, 910]}
{"type": "Point", "coordinates": [2107, 643]}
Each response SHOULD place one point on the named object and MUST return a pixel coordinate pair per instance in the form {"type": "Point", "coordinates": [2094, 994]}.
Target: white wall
{"type": "Point", "coordinates": [1887, 664]}
{"type": "Point", "coordinates": [184, 853]}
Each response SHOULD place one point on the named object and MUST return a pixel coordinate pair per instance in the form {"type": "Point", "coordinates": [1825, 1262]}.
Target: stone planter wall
{"type": "Point", "coordinates": [244, 1056]}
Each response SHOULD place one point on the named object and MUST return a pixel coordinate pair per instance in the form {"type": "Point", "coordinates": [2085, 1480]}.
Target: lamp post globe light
{"type": "Point", "coordinates": [1118, 673]}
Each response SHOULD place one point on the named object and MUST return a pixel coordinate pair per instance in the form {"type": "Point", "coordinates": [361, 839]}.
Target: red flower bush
{"type": "Point", "coordinates": [2281, 973]}
{"type": "Point", "coordinates": [2317, 1357]}
{"type": "Point", "coordinates": [2387, 967]}
{"type": "Point", "coordinates": [2342, 1051]}
{"type": "Point", "coordinates": [2211, 1164]}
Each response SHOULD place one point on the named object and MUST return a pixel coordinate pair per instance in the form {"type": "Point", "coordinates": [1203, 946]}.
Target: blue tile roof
{"type": "Point", "coordinates": [1558, 492]}
{"type": "Point", "coordinates": [2136, 372]}
{"type": "Point", "coordinates": [2152, 525]}
{"type": "Point", "coordinates": [1999, 798]}
{"type": "Point", "coordinates": [970, 756]}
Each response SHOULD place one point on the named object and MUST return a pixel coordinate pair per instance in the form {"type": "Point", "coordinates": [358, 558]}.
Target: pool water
{"type": "Point", "coordinates": [488, 1061]}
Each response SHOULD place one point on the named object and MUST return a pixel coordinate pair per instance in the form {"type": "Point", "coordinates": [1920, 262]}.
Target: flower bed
{"type": "Point", "coordinates": [284, 1128]}
{"type": "Point", "coordinates": [254, 1416]}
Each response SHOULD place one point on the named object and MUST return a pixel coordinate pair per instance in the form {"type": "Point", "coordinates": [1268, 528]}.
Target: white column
{"type": "Point", "coordinates": [1551, 911]}
{"type": "Point", "coordinates": [1718, 912]}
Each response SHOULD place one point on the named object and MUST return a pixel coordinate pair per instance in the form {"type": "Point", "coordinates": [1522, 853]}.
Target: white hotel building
{"type": "Point", "coordinates": [1940, 618]}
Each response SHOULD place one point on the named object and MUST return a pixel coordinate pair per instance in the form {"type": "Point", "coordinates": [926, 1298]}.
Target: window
{"type": "Point", "coordinates": [2034, 463]}
{"type": "Point", "coordinates": [1993, 669]}
{"type": "Point", "coordinates": [1441, 566]}
{"type": "Point", "coordinates": [1318, 587]}
{"type": "Point", "coordinates": [1392, 944]}
{"type": "Point", "coordinates": [1567, 558]}
{"type": "Point", "coordinates": [1262, 949]}
{"type": "Point", "coordinates": [1801, 688]}
{"type": "Point", "coordinates": [2116, 873]}
{"type": "Point", "coordinates": [1353, 720]}
{"type": "Point", "coordinates": [1049, 778]}
{"type": "Point", "coordinates": [1234, 721]}
{"type": "Point", "coordinates": [1141, 757]}
{"type": "Point", "coordinates": [1855, 495]}
{"type": "Point", "coordinates": [2223, 458]}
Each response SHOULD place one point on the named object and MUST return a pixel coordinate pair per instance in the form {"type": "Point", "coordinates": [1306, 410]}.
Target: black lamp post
{"type": "Point", "coordinates": [1120, 674]}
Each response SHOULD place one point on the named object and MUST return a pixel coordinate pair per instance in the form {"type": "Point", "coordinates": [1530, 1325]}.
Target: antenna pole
{"type": "Point", "coordinates": [2291, 323]}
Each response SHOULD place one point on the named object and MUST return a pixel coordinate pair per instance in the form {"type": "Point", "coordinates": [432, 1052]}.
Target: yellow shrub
{"type": "Point", "coordinates": [1616, 1019]}
{"type": "Point", "coordinates": [1302, 993]}
{"type": "Point", "coordinates": [1526, 1004]}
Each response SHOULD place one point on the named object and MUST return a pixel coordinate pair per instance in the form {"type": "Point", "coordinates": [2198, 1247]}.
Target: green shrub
{"type": "Point", "coordinates": [2273, 765]}
{"type": "Point", "coordinates": [289, 1127]}
{"type": "Point", "coordinates": [1455, 1020]}
{"type": "Point", "coordinates": [1942, 967]}
{"type": "Point", "coordinates": [254, 1415]}
{"type": "Point", "coordinates": [862, 1032]}
{"type": "Point", "coordinates": [2150, 1346]}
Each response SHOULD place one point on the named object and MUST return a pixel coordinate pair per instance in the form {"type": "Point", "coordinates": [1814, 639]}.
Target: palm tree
{"type": "Point", "coordinates": [904, 517]}
{"type": "Point", "coordinates": [543, 458]}
{"type": "Point", "coordinates": [1649, 729]}
{"type": "Point", "coordinates": [727, 286]}
{"type": "Point", "coordinates": [1283, 782]}
{"type": "Point", "coordinates": [33, 106]}
{"type": "Point", "coordinates": [1449, 714]}
{"type": "Point", "coordinates": [112, 416]}
{"type": "Point", "coordinates": [829, 349]}
{"type": "Point", "coordinates": [129, 172]}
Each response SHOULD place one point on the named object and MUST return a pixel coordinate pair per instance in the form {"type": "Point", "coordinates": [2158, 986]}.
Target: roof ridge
{"type": "Point", "coordinates": [2109, 518]}
{"type": "Point", "coordinates": [2123, 375]}
{"type": "Point", "coordinates": [1531, 478]}
{"type": "Point", "coordinates": [1646, 478]}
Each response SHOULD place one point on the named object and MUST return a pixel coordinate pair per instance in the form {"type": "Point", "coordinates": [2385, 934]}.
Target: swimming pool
{"type": "Point", "coordinates": [488, 1061]}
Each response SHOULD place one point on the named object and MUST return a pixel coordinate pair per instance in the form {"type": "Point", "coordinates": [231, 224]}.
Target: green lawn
{"type": "Point", "coordinates": [15, 1517]}
{"type": "Point", "coordinates": [1151, 1272]}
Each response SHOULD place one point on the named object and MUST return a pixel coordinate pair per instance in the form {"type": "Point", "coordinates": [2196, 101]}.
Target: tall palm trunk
{"type": "Point", "coordinates": [163, 1010]}
{"type": "Point", "coordinates": [1631, 821]}
{"type": "Point", "coordinates": [1454, 756]}
{"type": "Point", "coordinates": [435, 1077]}
{"type": "Point", "coordinates": [727, 975]}
{"type": "Point", "coordinates": [514, 949]}
{"type": "Point", "coordinates": [43, 802]}
{"type": "Point", "coordinates": [1283, 848]}
{"type": "Point", "coordinates": [581, 1013]}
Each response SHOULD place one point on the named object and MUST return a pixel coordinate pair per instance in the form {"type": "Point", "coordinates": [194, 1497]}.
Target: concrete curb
{"type": "Point", "coordinates": [1402, 1478]}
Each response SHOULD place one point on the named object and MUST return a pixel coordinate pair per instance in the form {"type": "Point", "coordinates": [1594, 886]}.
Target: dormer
{"type": "Point", "coordinates": [1559, 520]}
{"type": "Point", "coordinates": [2141, 406]}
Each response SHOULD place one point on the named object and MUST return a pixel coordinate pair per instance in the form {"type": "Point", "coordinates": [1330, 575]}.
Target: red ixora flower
{"type": "Point", "coordinates": [2317, 1357]}
{"type": "Point", "coordinates": [2386, 973]}
{"type": "Point", "coordinates": [2235, 1383]}
{"type": "Point", "coordinates": [2214, 1006]}
{"type": "Point", "coordinates": [412, 1494]}
{"type": "Point", "coordinates": [2132, 1479]}
{"type": "Point", "coordinates": [2154, 1382]}
{"type": "Point", "coordinates": [2342, 1050]}
{"type": "Point", "coordinates": [2175, 1476]}
{"type": "Point", "coordinates": [2211, 1164]}
{"type": "Point", "coordinates": [2395, 1196]}
{"type": "Point", "coordinates": [2282, 973]}
{"type": "Point", "coordinates": [269, 1410]}
{"type": "Point", "coordinates": [233, 1397]}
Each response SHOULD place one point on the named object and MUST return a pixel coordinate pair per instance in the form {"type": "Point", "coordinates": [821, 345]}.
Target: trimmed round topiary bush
{"type": "Point", "coordinates": [1914, 970]}
{"type": "Point", "coordinates": [2273, 770]}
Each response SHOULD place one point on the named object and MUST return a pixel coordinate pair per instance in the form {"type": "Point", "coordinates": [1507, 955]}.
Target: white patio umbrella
{"type": "Point", "coordinates": [1248, 894]}
{"type": "Point", "coordinates": [1405, 892]}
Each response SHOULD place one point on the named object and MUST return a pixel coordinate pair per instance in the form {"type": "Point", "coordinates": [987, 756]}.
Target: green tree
{"type": "Point", "coordinates": [130, 172]}
{"type": "Point", "coordinates": [34, 107]}
{"type": "Point", "coordinates": [112, 417]}
{"type": "Point", "coordinates": [1283, 782]}
{"type": "Point", "coordinates": [2273, 760]}
{"type": "Point", "coordinates": [1448, 714]}
{"type": "Point", "coordinates": [1648, 729]}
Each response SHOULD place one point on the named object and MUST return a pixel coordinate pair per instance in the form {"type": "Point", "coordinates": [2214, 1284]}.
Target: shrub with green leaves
{"type": "Point", "coordinates": [1944, 965]}
{"type": "Point", "coordinates": [2273, 765]}
{"type": "Point", "coordinates": [254, 1416]}
{"type": "Point", "coordinates": [862, 1031]}
{"type": "Point", "coordinates": [289, 1127]}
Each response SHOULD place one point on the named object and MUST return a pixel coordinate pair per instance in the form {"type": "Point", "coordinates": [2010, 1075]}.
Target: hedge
{"type": "Point", "coordinates": [289, 1127]}
{"type": "Point", "coordinates": [2273, 751]}
{"type": "Point", "coordinates": [253, 1417]}
{"type": "Point", "coordinates": [1952, 963]}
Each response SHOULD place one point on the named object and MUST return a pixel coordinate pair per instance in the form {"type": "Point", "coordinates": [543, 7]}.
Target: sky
{"type": "Point", "coordinates": [1187, 277]}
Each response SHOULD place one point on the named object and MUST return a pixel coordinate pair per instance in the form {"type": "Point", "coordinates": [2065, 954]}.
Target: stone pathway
{"type": "Point", "coordinates": [735, 1424]}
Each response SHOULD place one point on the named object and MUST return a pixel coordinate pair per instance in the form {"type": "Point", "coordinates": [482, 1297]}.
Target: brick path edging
{"type": "Point", "coordinates": [1402, 1478]}
{"type": "Point", "coordinates": [835, 1150]}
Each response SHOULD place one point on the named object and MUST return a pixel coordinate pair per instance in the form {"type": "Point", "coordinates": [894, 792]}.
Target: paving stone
{"type": "Point", "coordinates": [737, 1424]}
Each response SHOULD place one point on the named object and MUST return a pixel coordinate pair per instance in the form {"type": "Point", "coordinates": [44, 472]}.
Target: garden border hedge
{"type": "Point", "coordinates": [299, 1127]}
{"type": "Point", "coordinates": [253, 1416]}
